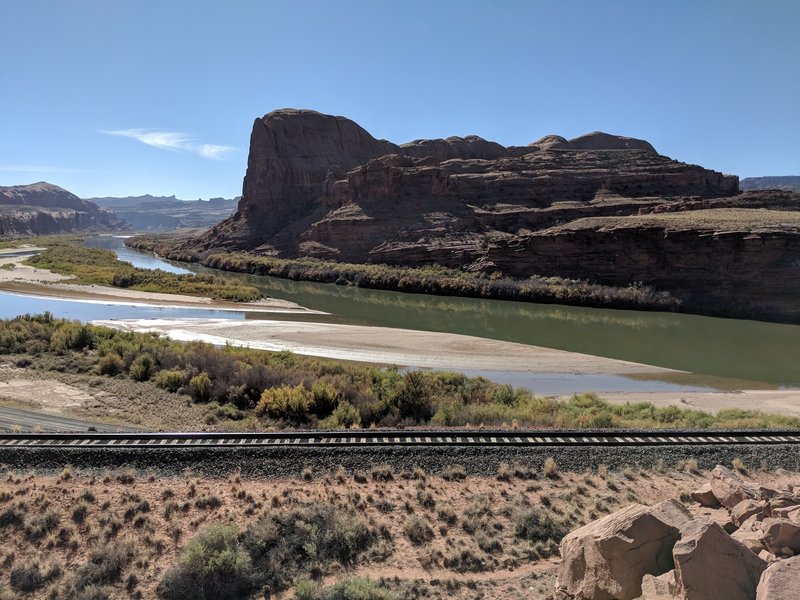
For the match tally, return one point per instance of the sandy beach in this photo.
(384, 345)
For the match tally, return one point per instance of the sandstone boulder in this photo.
(663, 587)
(749, 534)
(746, 509)
(729, 488)
(782, 502)
(705, 497)
(672, 512)
(607, 559)
(781, 536)
(781, 581)
(710, 565)
(788, 512)
(767, 556)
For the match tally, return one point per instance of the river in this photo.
(742, 353)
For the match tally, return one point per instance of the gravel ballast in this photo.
(275, 462)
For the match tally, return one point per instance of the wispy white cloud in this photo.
(173, 141)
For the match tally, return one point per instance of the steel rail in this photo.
(405, 437)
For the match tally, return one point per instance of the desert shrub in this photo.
(349, 589)
(141, 368)
(286, 402)
(200, 387)
(12, 516)
(414, 400)
(39, 525)
(29, 576)
(535, 524)
(110, 364)
(417, 530)
(325, 398)
(213, 565)
(345, 415)
(105, 566)
(170, 379)
(283, 544)
(454, 473)
(71, 336)
(382, 472)
(466, 561)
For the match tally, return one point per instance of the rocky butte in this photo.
(603, 208)
(44, 208)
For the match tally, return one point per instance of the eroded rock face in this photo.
(710, 565)
(322, 186)
(43, 208)
(607, 559)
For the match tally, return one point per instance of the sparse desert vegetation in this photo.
(392, 535)
(101, 267)
(242, 389)
(430, 279)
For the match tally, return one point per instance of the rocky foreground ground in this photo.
(738, 541)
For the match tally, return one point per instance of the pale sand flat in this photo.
(777, 402)
(384, 345)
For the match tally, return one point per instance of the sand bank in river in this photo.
(24, 279)
(776, 402)
(384, 345)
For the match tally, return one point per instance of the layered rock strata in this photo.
(603, 208)
(43, 208)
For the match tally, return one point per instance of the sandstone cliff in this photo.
(322, 186)
(43, 208)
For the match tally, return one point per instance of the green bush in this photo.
(344, 416)
(212, 566)
(110, 364)
(200, 387)
(141, 367)
(170, 379)
(286, 402)
(414, 400)
(325, 398)
(349, 589)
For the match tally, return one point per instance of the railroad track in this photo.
(367, 438)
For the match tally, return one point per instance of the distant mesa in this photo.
(789, 183)
(44, 208)
(165, 213)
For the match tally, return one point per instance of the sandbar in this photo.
(27, 280)
(383, 345)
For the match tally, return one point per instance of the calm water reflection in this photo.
(748, 350)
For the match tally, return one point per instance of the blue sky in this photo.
(113, 97)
